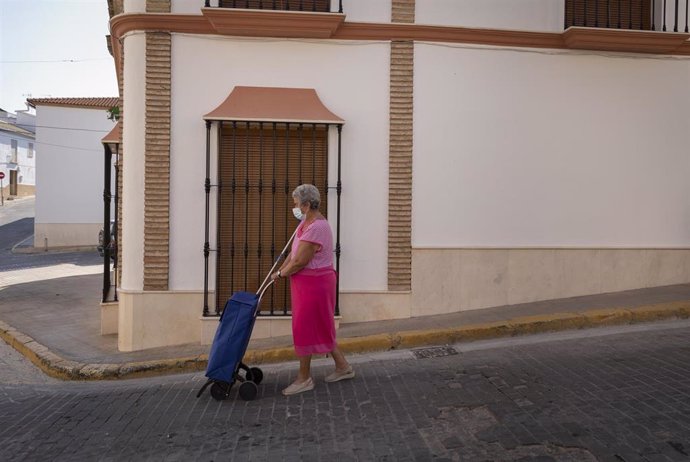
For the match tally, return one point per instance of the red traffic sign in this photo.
(2, 175)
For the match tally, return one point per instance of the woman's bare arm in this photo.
(301, 258)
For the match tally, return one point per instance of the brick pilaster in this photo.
(400, 154)
(158, 6)
(157, 160)
(403, 11)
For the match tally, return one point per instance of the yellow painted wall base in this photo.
(452, 280)
(374, 306)
(66, 234)
(109, 318)
(23, 190)
(155, 319)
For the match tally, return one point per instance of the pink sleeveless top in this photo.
(319, 233)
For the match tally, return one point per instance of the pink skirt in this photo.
(313, 310)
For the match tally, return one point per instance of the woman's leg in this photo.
(339, 358)
(304, 368)
(303, 382)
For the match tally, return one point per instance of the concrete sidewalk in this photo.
(56, 324)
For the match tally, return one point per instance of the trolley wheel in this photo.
(220, 390)
(257, 375)
(248, 391)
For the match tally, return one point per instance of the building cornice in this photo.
(307, 25)
(426, 33)
(159, 22)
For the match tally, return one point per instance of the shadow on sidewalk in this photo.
(19, 231)
(65, 315)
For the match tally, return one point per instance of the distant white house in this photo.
(17, 154)
(69, 183)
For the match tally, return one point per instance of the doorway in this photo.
(13, 182)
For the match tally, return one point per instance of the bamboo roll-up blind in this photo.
(616, 14)
(320, 6)
(258, 170)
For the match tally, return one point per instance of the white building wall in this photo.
(69, 181)
(354, 10)
(352, 80)
(26, 120)
(133, 140)
(189, 6)
(5, 149)
(532, 15)
(531, 149)
(366, 10)
(26, 164)
(134, 6)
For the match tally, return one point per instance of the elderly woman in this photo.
(312, 283)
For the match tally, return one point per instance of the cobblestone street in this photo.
(619, 394)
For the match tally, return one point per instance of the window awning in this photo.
(269, 104)
(113, 137)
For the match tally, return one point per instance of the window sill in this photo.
(623, 40)
(267, 23)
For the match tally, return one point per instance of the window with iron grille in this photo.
(319, 6)
(259, 165)
(616, 14)
(30, 153)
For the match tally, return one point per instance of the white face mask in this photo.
(297, 212)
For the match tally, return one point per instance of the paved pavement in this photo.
(609, 394)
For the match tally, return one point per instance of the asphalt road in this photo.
(17, 209)
(618, 394)
(17, 225)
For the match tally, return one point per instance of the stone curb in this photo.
(56, 366)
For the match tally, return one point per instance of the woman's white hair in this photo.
(307, 193)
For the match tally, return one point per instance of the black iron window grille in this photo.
(654, 15)
(108, 236)
(315, 6)
(259, 165)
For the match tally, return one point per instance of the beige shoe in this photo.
(348, 373)
(296, 388)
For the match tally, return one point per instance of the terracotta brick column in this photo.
(400, 154)
(157, 160)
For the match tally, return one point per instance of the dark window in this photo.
(321, 6)
(617, 14)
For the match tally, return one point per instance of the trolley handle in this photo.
(263, 291)
(268, 281)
